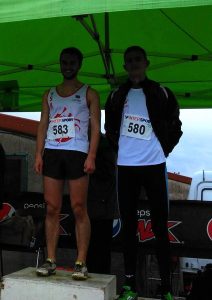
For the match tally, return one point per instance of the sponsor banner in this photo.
(189, 227)
(189, 224)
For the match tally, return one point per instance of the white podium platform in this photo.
(26, 285)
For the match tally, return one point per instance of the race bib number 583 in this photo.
(61, 128)
(137, 127)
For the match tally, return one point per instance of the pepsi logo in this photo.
(209, 229)
(6, 212)
(116, 227)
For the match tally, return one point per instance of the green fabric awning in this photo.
(16, 10)
(177, 39)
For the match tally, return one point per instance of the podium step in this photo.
(26, 285)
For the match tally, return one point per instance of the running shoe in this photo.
(47, 269)
(127, 294)
(168, 296)
(80, 271)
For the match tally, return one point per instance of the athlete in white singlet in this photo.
(63, 152)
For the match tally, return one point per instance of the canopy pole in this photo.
(101, 48)
(104, 50)
(95, 35)
(107, 40)
(108, 50)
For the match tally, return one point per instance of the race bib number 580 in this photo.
(61, 128)
(137, 127)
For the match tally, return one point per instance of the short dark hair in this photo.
(135, 48)
(72, 50)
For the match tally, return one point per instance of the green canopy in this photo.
(175, 34)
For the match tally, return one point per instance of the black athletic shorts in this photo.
(63, 164)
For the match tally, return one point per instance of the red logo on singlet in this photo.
(76, 124)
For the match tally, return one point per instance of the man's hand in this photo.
(38, 165)
(89, 166)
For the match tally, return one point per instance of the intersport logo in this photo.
(145, 232)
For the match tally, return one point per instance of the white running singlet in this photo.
(68, 121)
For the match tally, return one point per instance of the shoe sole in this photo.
(132, 298)
(79, 277)
(126, 297)
(45, 275)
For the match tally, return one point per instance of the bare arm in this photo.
(41, 135)
(95, 117)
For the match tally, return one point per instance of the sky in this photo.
(194, 151)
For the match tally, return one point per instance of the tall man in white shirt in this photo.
(142, 122)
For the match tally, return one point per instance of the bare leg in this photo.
(78, 195)
(53, 196)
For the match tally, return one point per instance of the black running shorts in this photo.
(63, 164)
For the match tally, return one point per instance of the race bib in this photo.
(137, 127)
(61, 128)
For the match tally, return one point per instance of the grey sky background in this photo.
(194, 151)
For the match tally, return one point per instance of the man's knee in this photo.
(52, 209)
(79, 211)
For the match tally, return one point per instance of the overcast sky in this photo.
(194, 151)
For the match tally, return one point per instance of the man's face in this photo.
(136, 65)
(69, 65)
